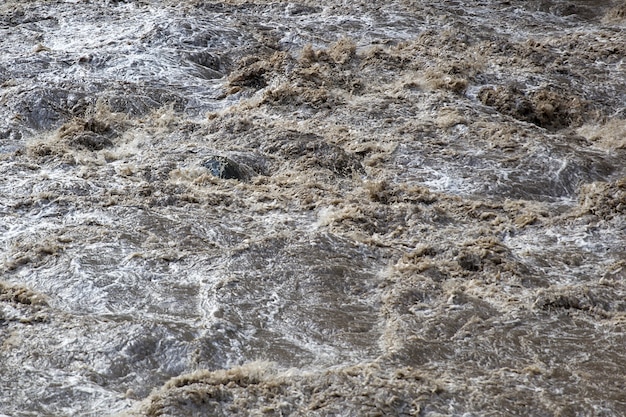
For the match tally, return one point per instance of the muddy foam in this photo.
(236, 208)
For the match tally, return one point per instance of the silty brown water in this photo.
(236, 208)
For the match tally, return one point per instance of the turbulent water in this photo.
(315, 208)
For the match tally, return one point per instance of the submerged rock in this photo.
(226, 168)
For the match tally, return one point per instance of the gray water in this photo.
(324, 208)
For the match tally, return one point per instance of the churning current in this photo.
(313, 208)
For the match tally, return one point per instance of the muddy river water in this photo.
(315, 208)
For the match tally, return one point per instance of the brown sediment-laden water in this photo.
(315, 208)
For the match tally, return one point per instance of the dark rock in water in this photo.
(226, 168)
(470, 262)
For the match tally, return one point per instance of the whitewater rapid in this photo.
(315, 208)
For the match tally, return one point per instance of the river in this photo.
(322, 208)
